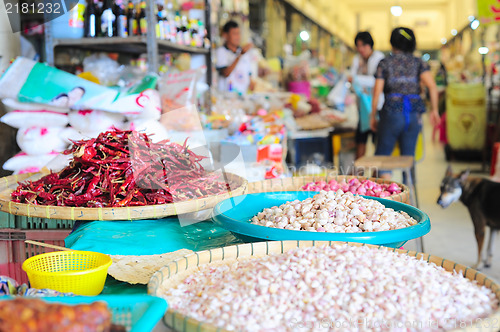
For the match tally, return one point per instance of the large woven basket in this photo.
(173, 274)
(296, 183)
(8, 184)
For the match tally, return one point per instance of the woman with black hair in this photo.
(398, 77)
(364, 66)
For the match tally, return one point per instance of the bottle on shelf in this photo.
(193, 29)
(186, 35)
(172, 27)
(108, 19)
(141, 19)
(131, 19)
(159, 22)
(121, 19)
(165, 25)
(99, 5)
(179, 38)
(90, 23)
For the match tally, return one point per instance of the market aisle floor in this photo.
(452, 233)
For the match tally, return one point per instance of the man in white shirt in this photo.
(363, 68)
(234, 64)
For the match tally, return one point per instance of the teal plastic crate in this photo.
(22, 222)
(138, 313)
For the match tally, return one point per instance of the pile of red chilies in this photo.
(123, 168)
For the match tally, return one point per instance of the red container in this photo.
(494, 159)
(300, 88)
(13, 250)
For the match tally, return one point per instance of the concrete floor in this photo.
(452, 233)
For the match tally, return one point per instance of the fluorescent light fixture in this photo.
(483, 50)
(454, 32)
(471, 18)
(474, 24)
(304, 35)
(396, 10)
(426, 57)
(444, 41)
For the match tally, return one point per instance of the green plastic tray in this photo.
(22, 222)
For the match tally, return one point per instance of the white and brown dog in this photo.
(482, 198)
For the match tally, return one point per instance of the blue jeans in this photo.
(391, 129)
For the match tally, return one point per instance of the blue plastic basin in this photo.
(234, 214)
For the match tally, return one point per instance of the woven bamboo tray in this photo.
(296, 183)
(238, 186)
(174, 273)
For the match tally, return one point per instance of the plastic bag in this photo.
(103, 67)
(179, 89)
(337, 96)
(165, 235)
(365, 106)
(70, 134)
(40, 140)
(89, 121)
(18, 119)
(154, 129)
(24, 163)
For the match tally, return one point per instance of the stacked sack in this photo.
(43, 133)
(147, 116)
(85, 124)
(38, 136)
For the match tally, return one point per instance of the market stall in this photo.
(145, 197)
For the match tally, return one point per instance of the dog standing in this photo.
(482, 198)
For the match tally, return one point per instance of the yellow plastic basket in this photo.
(78, 272)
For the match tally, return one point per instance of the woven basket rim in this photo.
(297, 182)
(182, 265)
(7, 185)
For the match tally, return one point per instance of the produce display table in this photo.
(145, 237)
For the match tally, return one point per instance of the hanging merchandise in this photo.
(121, 19)
(108, 19)
(488, 11)
(90, 20)
(131, 19)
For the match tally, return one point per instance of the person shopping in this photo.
(399, 77)
(363, 68)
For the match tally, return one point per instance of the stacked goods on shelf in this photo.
(183, 25)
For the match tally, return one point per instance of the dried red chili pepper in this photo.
(123, 168)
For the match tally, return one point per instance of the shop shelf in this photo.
(14, 251)
(131, 45)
